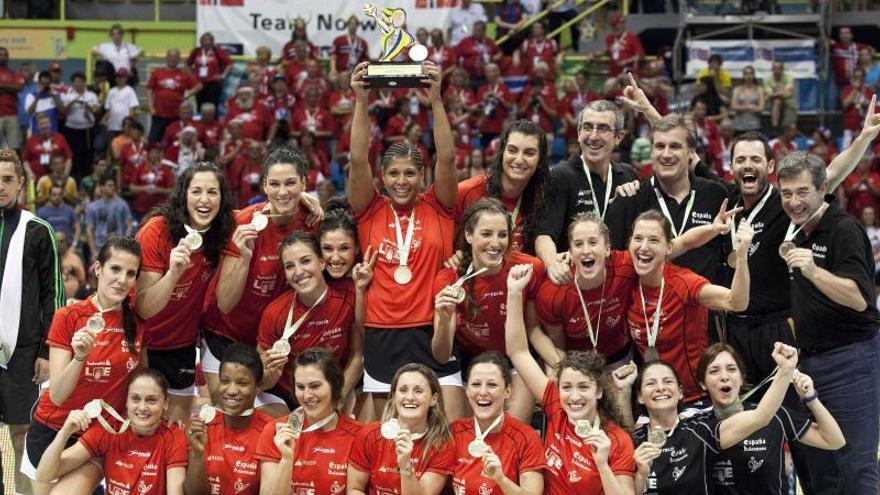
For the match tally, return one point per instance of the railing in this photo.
(540, 15)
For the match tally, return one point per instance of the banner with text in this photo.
(799, 56)
(243, 25)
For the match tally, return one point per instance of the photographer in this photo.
(495, 100)
(538, 101)
(45, 101)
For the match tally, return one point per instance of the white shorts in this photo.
(373, 385)
(210, 362)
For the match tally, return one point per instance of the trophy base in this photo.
(395, 75)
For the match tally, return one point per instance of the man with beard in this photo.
(583, 183)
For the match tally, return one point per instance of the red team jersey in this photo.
(135, 464)
(682, 337)
(145, 175)
(570, 468)
(230, 455)
(517, 445)
(475, 188)
(373, 454)
(265, 279)
(485, 332)
(38, 152)
(177, 325)
(104, 373)
(168, 87)
(320, 458)
(327, 326)
(560, 305)
(388, 304)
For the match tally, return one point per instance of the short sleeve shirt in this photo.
(682, 465)
(230, 455)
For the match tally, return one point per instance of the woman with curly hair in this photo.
(181, 242)
(520, 179)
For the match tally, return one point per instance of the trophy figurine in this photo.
(385, 73)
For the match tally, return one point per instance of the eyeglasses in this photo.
(602, 129)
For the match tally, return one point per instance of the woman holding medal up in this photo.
(469, 299)
(587, 451)
(495, 453)
(250, 276)
(412, 232)
(674, 455)
(411, 451)
(307, 451)
(145, 455)
(312, 314)
(223, 441)
(667, 318)
(93, 346)
(181, 243)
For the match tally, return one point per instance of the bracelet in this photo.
(79, 359)
(810, 398)
(406, 472)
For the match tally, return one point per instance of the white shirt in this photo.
(120, 56)
(78, 116)
(532, 7)
(44, 104)
(461, 22)
(119, 102)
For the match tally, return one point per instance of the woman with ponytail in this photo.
(469, 300)
(93, 346)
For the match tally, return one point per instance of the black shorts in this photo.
(18, 392)
(281, 394)
(38, 438)
(178, 366)
(387, 349)
(753, 338)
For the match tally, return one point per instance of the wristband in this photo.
(810, 398)
(78, 359)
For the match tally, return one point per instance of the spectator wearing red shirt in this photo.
(476, 51)
(210, 130)
(348, 49)
(256, 122)
(244, 173)
(855, 98)
(317, 155)
(862, 187)
(167, 88)
(342, 102)
(844, 56)
(233, 143)
(185, 152)
(132, 154)
(538, 100)
(314, 116)
(708, 133)
(313, 79)
(185, 119)
(151, 183)
(440, 53)
(624, 49)
(395, 128)
(295, 64)
(280, 104)
(784, 143)
(458, 85)
(40, 147)
(577, 95)
(298, 34)
(10, 85)
(537, 48)
(495, 102)
(211, 65)
(148, 458)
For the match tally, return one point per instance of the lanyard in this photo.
(594, 338)
(654, 327)
(403, 245)
(593, 191)
(687, 211)
(730, 410)
(481, 435)
(469, 275)
(289, 329)
(515, 214)
(93, 410)
(791, 232)
(752, 215)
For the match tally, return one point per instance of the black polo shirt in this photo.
(682, 465)
(570, 195)
(708, 260)
(841, 246)
(769, 287)
(756, 465)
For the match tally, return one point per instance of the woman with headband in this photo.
(520, 179)
(412, 232)
(495, 453)
(469, 300)
(411, 451)
(308, 450)
(587, 451)
(93, 346)
(250, 276)
(141, 454)
(182, 243)
(756, 464)
(312, 314)
(223, 441)
(673, 455)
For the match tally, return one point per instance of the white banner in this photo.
(799, 56)
(243, 25)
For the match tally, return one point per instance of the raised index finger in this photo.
(632, 80)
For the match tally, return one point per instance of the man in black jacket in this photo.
(31, 289)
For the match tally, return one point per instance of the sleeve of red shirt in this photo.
(442, 460)
(620, 458)
(266, 335)
(532, 452)
(548, 303)
(266, 450)
(60, 332)
(550, 400)
(151, 84)
(191, 59)
(176, 448)
(153, 256)
(95, 440)
(695, 284)
(225, 59)
(538, 277)
(189, 80)
(443, 278)
(361, 455)
(431, 198)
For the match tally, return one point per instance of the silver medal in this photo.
(390, 429)
(281, 347)
(403, 275)
(259, 221)
(96, 323)
(193, 240)
(582, 428)
(295, 422)
(207, 413)
(657, 436)
(93, 408)
(477, 448)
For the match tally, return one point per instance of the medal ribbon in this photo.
(593, 191)
(289, 329)
(481, 435)
(403, 245)
(791, 232)
(593, 338)
(751, 216)
(654, 328)
(515, 214)
(665, 209)
(469, 275)
(727, 411)
(112, 412)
